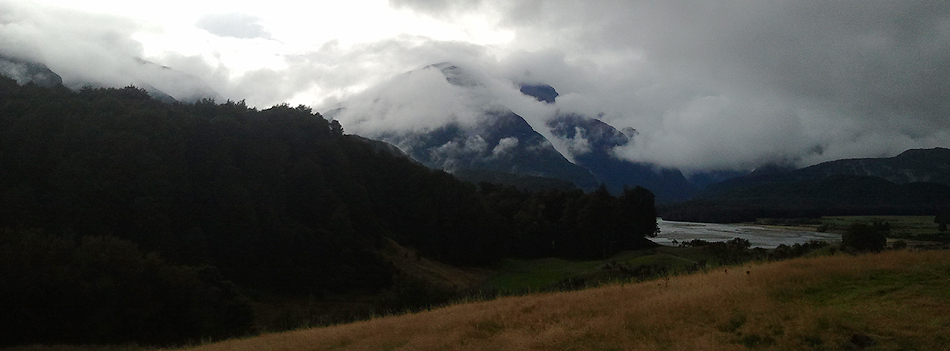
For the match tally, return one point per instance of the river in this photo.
(758, 236)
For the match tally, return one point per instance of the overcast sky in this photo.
(708, 84)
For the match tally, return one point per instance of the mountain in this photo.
(592, 143)
(161, 82)
(703, 179)
(481, 130)
(520, 181)
(24, 72)
(164, 83)
(915, 182)
(503, 143)
(911, 166)
(496, 139)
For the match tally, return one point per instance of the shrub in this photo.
(862, 237)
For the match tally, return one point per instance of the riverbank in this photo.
(763, 236)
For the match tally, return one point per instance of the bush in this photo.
(862, 237)
(942, 218)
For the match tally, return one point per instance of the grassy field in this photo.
(917, 230)
(896, 300)
(517, 276)
(901, 226)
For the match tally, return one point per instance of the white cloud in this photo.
(235, 25)
(504, 145)
(707, 84)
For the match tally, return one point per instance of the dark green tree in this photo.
(863, 237)
(942, 218)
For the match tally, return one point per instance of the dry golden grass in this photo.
(898, 299)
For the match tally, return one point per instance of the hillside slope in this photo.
(895, 300)
(916, 182)
(279, 203)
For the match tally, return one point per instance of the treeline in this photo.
(573, 224)
(279, 201)
(61, 289)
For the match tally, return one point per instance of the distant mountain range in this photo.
(566, 150)
(500, 140)
(911, 166)
(915, 182)
(161, 82)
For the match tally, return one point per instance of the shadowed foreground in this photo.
(889, 301)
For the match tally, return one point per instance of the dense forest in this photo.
(126, 219)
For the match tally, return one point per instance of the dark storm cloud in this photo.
(235, 25)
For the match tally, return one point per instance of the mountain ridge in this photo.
(550, 143)
(915, 182)
(162, 83)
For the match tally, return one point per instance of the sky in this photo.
(731, 84)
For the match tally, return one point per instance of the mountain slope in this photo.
(25, 72)
(278, 202)
(468, 121)
(475, 132)
(504, 143)
(162, 83)
(592, 143)
(911, 166)
(914, 182)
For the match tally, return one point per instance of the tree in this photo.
(638, 207)
(862, 237)
(336, 128)
(942, 219)
(57, 289)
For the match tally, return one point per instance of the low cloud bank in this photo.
(707, 85)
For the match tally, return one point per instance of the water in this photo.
(758, 236)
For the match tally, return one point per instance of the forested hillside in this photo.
(218, 200)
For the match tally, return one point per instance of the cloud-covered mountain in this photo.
(158, 80)
(453, 118)
(727, 86)
(592, 143)
(161, 82)
(26, 72)
(472, 131)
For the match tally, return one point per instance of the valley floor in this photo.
(891, 301)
